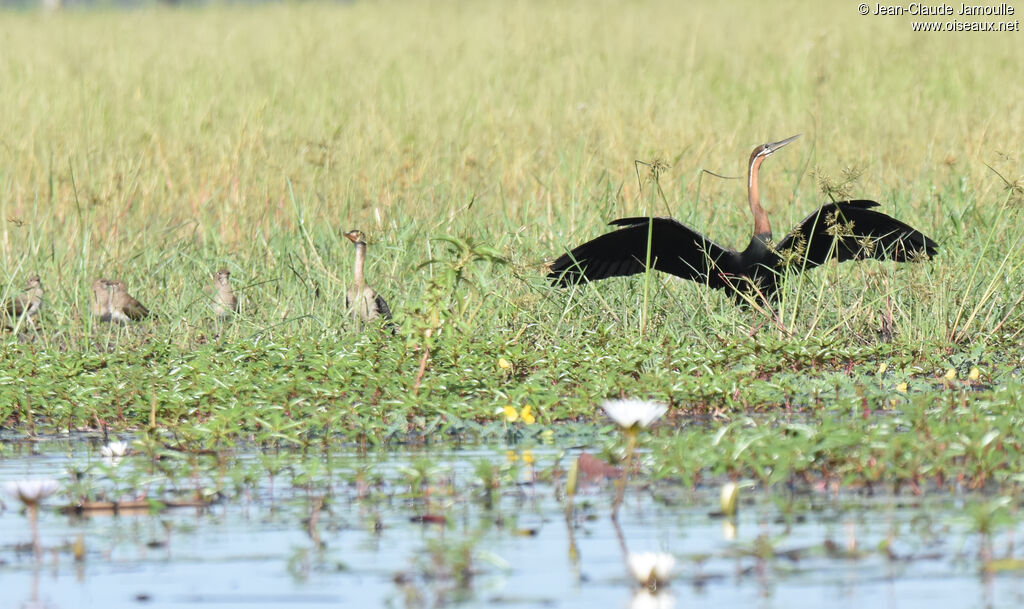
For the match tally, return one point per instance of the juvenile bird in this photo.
(123, 307)
(224, 300)
(101, 299)
(27, 304)
(362, 301)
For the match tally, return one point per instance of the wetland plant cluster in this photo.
(240, 151)
(471, 502)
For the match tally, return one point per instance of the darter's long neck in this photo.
(762, 228)
(357, 273)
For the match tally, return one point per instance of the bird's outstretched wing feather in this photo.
(851, 230)
(675, 249)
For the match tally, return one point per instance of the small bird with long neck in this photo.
(123, 307)
(27, 304)
(225, 303)
(361, 300)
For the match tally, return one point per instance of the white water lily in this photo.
(633, 413)
(645, 599)
(652, 569)
(114, 449)
(31, 492)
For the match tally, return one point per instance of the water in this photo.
(265, 542)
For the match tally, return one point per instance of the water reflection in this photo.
(352, 528)
(645, 599)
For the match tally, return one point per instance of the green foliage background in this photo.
(159, 144)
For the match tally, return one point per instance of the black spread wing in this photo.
(675, 249)
(851, 230)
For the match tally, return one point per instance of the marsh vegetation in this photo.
(472, 145)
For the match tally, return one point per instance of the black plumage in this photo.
(845, 230)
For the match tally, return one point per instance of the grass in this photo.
(159, 144)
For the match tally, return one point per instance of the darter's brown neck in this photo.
(357, 272)
(762, 227)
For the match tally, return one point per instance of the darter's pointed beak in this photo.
(770, 148)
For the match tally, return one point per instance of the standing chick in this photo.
(361, 300)
(27, 304)
(225, 303)
(123, 307)
(101, 299)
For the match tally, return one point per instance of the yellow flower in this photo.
(511, 456)
(902, 388)
(950, 374)
(527, 415)
(528, 457)
(504, 364)
(975, 374)
(511, 414)
(882, 368)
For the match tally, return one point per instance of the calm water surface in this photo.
(290, 530)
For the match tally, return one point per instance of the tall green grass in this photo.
(159, 144)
